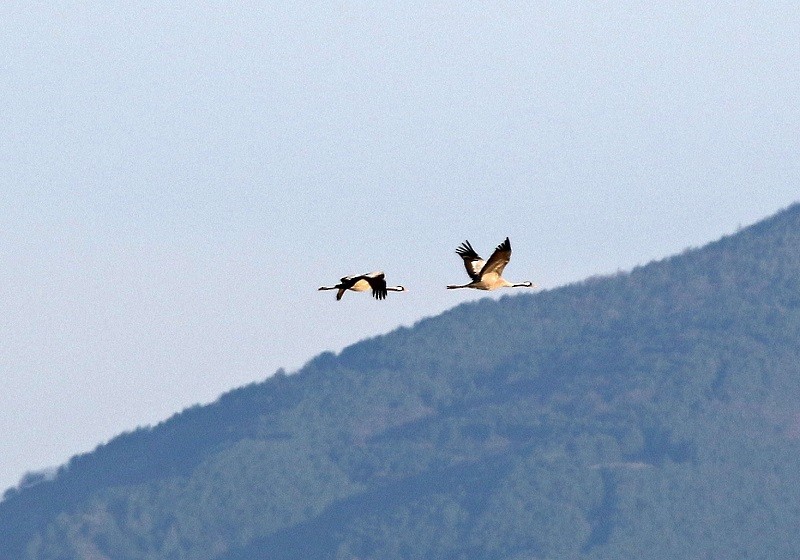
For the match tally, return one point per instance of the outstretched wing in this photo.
(345, 284)
(472, 262)
(377, 281)
(498, 261)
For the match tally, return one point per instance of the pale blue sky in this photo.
(179, 178)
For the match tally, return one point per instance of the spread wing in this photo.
(498, 261)
(348, 282)
(377, 281)
(345, 284)
(472, 262)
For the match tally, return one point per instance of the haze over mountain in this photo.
(650, 414)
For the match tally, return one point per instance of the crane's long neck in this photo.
(457, 287)
(328, 287)
(395, 289)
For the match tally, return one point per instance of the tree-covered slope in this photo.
(654, 414)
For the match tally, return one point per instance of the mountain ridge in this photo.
(616, 384)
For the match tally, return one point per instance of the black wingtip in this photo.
(505, 245)
(465, 249)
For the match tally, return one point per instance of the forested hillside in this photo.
(653, 414)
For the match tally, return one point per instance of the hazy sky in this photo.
(179, 178)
